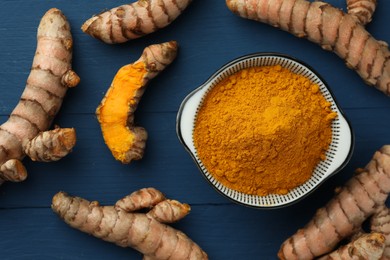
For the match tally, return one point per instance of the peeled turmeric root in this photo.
(134, 20)
(116, 111)
(50, 77)
(123, 225)
(358, 200)
(334, 30)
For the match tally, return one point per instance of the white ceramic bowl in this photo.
(337, 156)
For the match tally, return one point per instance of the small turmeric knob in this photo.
(70, 79)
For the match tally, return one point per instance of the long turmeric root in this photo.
(134, 20)
(116, 111)
(123, 225)
(51, 75)
(334, 30)
(362, 195)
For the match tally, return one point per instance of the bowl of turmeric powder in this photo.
(265, 130)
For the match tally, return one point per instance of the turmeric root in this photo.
(116, 111)
(362, 9)
(123, 225)
(367, 246)
(134, 20)
(51, 145)
(334, 30)
(50, 77)
(362, 195)
(380, 222)
(12, 170)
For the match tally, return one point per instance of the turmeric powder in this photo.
(263, 130)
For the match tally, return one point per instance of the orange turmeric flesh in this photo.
(116, 111)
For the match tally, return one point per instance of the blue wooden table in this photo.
(209, 35)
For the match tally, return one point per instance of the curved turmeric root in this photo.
(49, 79)
(360, 198)
(135, 20)
(116, 111)
(145, 232)
(332, 29)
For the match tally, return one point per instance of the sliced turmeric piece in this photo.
(116, 111)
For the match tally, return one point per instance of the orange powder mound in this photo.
(263, 130)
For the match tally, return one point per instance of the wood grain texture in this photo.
(209, 36)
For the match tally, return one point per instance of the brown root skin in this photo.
(366, 246)
(70, 79)
(140, 199)
(51, 145)
(329, 27)
(116, 111)
(169, 211)
(380, 222)
(49, 79)
(125, 228)
(12, 170)
(342, 216)
(362, 9)
(134, 20)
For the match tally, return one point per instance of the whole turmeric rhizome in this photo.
(263, 130)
